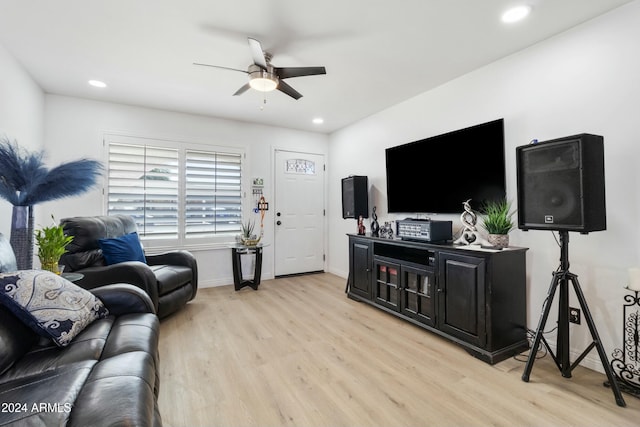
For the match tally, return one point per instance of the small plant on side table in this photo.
(248, 237)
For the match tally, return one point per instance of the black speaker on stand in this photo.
(561, 184)
(561, 188)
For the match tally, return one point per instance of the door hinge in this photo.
(324, 167)
(324, 212)
(324, 257)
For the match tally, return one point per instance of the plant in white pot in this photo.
(498, 221)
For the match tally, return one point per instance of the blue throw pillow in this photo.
(121, 249)
(49, 304)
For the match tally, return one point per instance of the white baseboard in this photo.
(339, 273)
(211, 283)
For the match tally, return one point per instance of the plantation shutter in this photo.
(144, 183)
(179, 194)
(213, 193)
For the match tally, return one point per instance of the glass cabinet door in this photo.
(387, 283)
(417, 289)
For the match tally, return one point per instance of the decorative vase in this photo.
(499, 241)
(21, 238)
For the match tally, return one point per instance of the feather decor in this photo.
(17, 170)
(26, 181)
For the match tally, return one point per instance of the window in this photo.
(178, 195)
(213, 193)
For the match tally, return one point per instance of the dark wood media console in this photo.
(475, 298)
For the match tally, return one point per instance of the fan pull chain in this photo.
(264, 101)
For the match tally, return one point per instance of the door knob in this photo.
(278, 214)
(278, 222)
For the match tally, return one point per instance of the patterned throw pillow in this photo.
(49, 304)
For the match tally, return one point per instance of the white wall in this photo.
(74, 128)
(584, 80)
(21, 115)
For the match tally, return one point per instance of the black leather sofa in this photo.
(170, 278)
(106, 376)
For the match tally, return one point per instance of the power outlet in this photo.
(574, 315)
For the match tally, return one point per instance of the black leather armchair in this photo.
(170, 278)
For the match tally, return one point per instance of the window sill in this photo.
(152, 250)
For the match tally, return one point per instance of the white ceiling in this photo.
(377, 52)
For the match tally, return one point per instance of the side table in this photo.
(72, 277)
(237, 251)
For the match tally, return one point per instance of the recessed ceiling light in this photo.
(97, 83)
(318, 120)
(516, 14)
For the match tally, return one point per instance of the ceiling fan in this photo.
(265, 77)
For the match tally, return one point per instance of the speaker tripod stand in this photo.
(561, 279)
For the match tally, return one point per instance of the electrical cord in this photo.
(542, 349)
(531, 333)
(521, 357)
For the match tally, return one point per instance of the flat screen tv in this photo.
(437, 174)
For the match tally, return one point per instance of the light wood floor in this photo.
(298, 352)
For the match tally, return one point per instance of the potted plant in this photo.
(498, 221)
(248, 237)
(52, 243)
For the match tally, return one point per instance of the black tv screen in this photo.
(437, 174)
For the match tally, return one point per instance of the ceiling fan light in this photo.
(262, 80)
(263, 84)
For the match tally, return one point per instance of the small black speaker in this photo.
(561, 184)
(355, 197)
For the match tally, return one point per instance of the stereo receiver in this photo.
(424, 230)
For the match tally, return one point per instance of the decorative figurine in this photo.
(375, 227)
(361, 228)
(386, 231)
(470, 235)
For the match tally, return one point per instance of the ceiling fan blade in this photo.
(217, 66)
(285, 88)
(257, 53)
(287, 72)
(242, 90)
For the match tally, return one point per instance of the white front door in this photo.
(299, 212)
